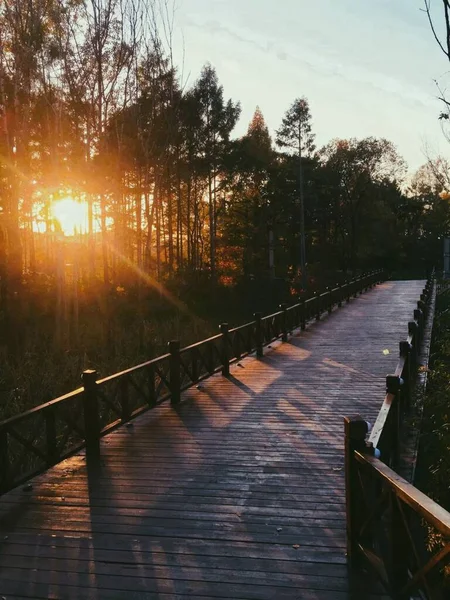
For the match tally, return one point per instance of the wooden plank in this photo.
(131, 576)
(199, 532)
(39, 591)
(177, 544)
(174, 501)
(238, 492)
(18, 555)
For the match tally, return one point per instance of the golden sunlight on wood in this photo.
(71, 215)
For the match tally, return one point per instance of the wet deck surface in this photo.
(238, 493)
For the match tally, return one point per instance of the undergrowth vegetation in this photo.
(45, 372)
(114, 331)
(434, 456)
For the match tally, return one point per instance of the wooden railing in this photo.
(393, 529)
(43, 436)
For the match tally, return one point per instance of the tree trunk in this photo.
(212, 249)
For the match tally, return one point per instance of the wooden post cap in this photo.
(357, 427)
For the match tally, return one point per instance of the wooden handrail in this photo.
(125, 372)
(427, 508)
(213, 338)
(385, 513)
(249, 324)
(390, 400)
(32, 411)
(383, 415)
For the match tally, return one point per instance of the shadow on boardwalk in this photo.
(238, 493)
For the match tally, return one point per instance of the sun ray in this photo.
(152, 282)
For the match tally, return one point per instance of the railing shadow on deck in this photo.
(35, 440)
(152, 543)
(393, 529)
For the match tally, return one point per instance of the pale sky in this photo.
(366, 66)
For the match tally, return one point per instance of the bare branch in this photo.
(433, 29)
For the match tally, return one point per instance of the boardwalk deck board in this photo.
(237, 493)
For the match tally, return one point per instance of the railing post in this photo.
(259, 335)
(90, 413)
(339, 289)
(405, 351)
(318, 311)
(422, 304)
(50, 436)
(348, 294)
(5, 467)
(413, 332)
(210, 359)
(393, 386)
(418, 316)
(397, 566)
(330, 301)
(250, 346)
(174, 372)
(224, 329)
(296, 319)
(151, 385)
(237, 347)
(124, 398)
(355, 433)
(302, 314)
(194, 365)
(284, 329)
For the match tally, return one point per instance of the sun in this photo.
(71, 215)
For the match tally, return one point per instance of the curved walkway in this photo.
(236, 494)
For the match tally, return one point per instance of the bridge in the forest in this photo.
(236, 488)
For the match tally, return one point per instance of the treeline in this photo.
(92, 107)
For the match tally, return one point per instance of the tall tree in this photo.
(247, 167)
(258, 136)
(295, 134)
(27, 34)
(218, 118)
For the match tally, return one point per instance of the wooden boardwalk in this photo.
(237, 493)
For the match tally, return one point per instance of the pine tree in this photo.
(218, 120)
(258, 135)
(295, 132)
(248, 167)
